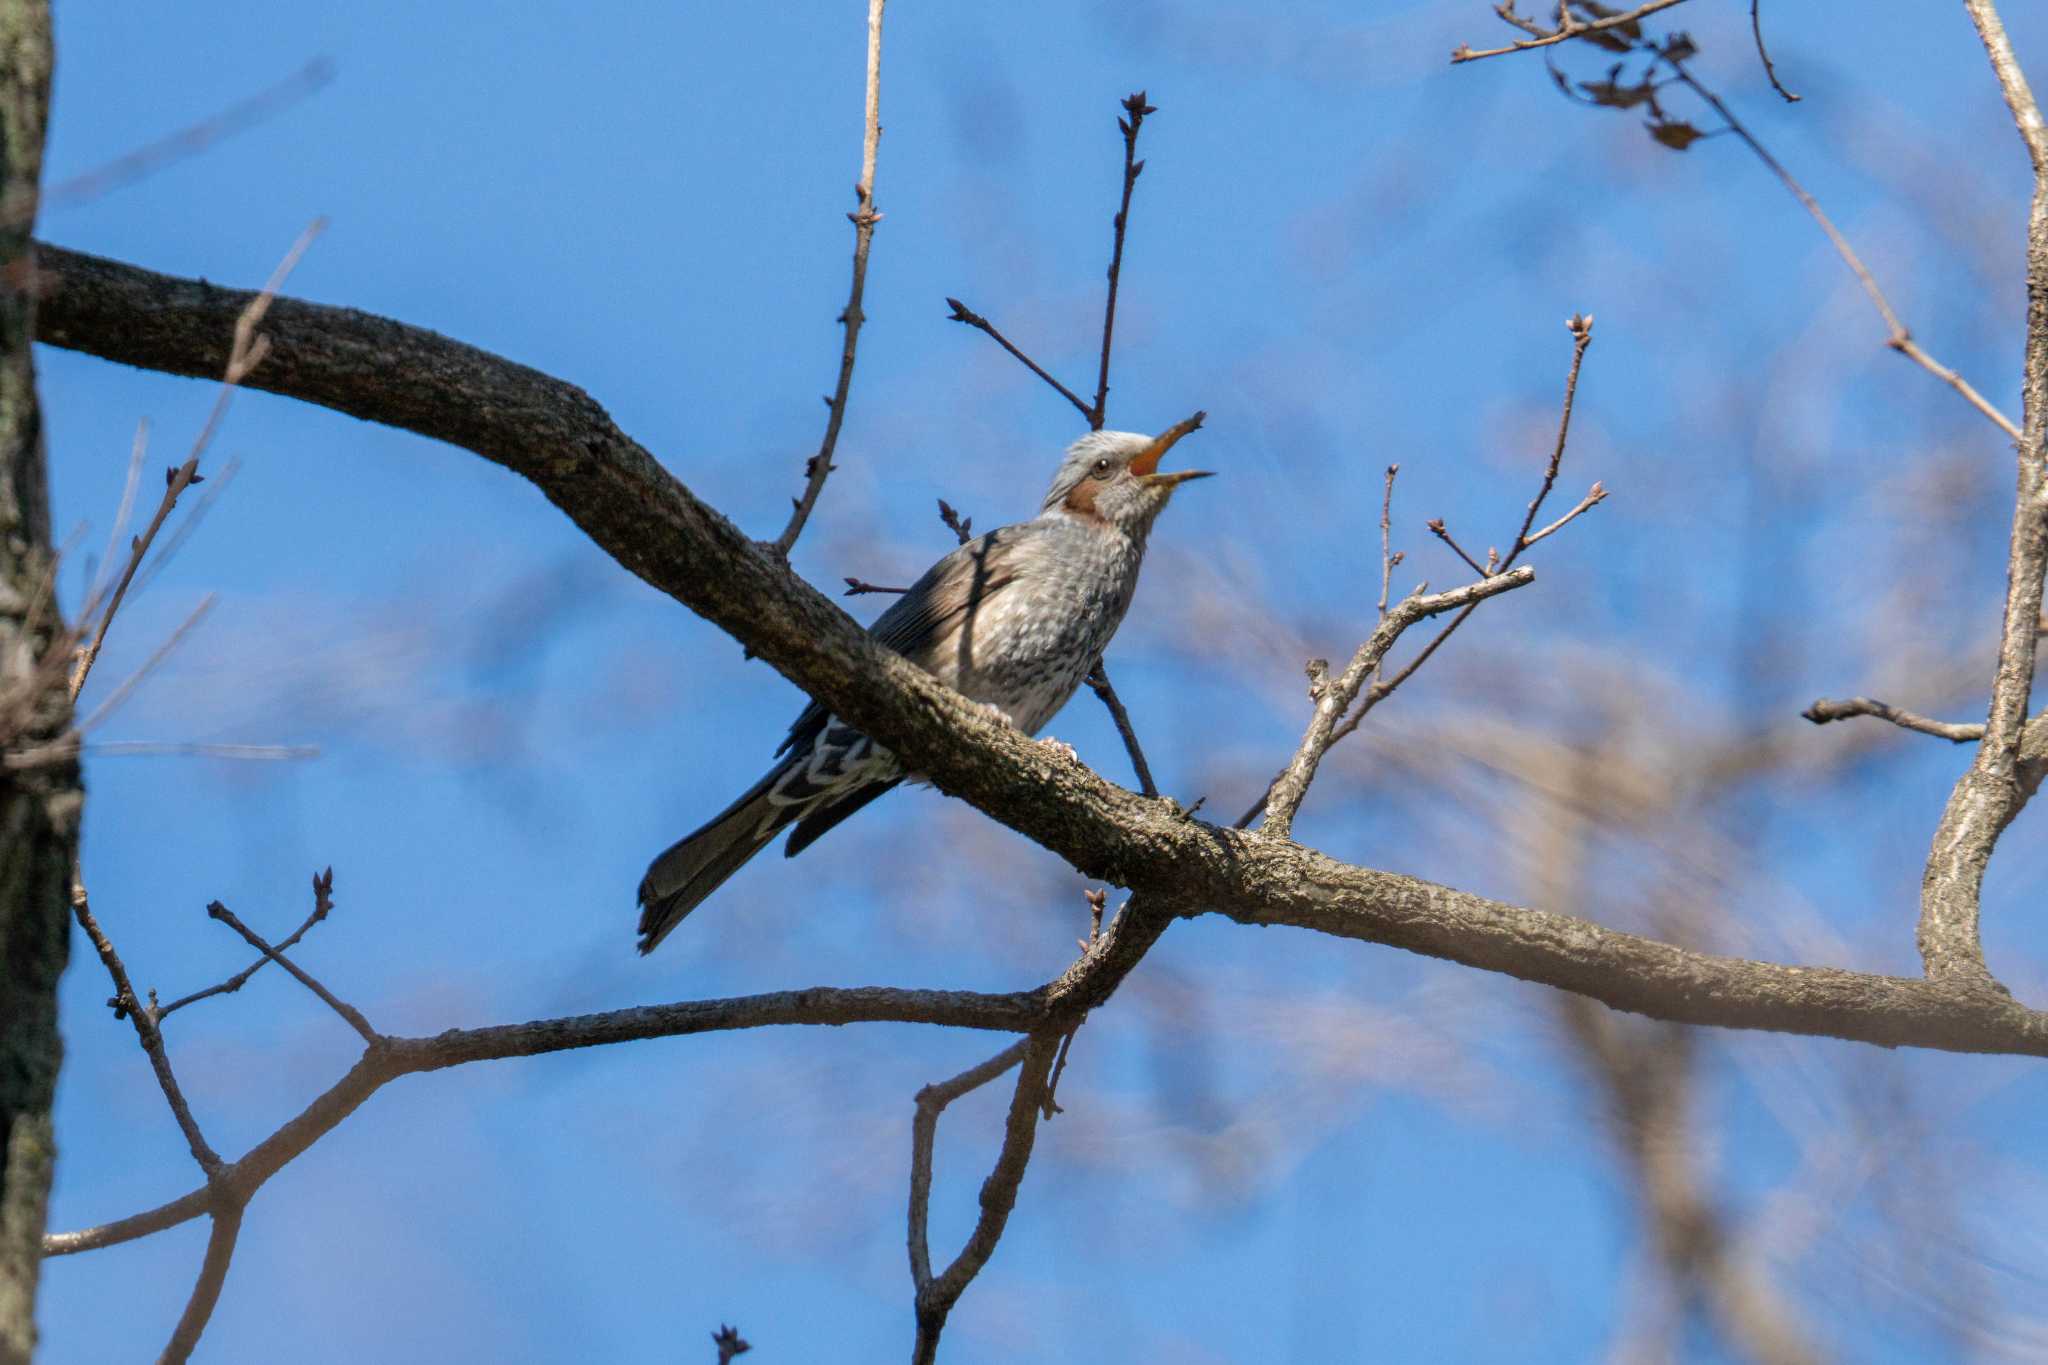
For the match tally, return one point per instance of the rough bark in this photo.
(39, 806)
(556, 436)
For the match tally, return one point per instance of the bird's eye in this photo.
(1102, 469)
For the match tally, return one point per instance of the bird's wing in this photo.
(921, 623)
(926, 620)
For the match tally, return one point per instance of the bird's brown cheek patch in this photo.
(1081, 501)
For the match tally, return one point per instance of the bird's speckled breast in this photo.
(1030, 645)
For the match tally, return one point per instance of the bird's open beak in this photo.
(1146, 464)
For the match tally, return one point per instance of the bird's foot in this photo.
(1060, 747)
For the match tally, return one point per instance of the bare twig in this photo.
(245, 355)
(176, 481)
(1135, 110)
(1826, 709)
(1596, 495)
(1336, 695)
(729, 1343)
(1580, 325)
(1569, 26)
(213, 1272)
(127, 686)
(349, 1013)
(144, 1017)
(68, 748)
(962, 313)
(864, 217)
(936, 1294)
(855, 587)
(961, 527)
(137, 450)
(323, 903)
(1098, 681)
(1756, 29)
(1900, 338)
(1437, 529)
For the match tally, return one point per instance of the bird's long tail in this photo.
(693, 867)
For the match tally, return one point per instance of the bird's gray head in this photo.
(1113, 478)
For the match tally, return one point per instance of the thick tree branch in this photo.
(554, 435)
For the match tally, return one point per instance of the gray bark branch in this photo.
(556, 436)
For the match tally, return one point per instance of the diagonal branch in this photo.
(864, 217)
(1901, 337)
(1098, 682)
(323, 904)
(1991, 793)
(1334, 698)
(962, 313)
(350, 1015)
(125, 1002)
(936, 1294)
(554, 435)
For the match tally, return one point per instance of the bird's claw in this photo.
(1061, 747)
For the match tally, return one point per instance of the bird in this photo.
(1013, 619)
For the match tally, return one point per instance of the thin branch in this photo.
(1098, 681)
(323, 904)
(1900, 338)
(176, 481)
(144, 1018)
(2012, 82)
(1569, 27)
(127, 686)
(924, 1129)
(1135, 110)
(248, 351)
(962, 313)
(213, 1272)
(349, 1013)
(729, 1343)
(961, 527)
(864, 217)
(937, 1294)
(69, 747)
(1756, 29)
(1333, 698)
(1594, 497)
(138, 449)
(1825, 710)
(1988, 796)
(1580, 325)
(855, 587)
(1436, 528)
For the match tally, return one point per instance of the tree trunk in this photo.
(39, 806)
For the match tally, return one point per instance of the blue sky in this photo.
(1349, 253)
